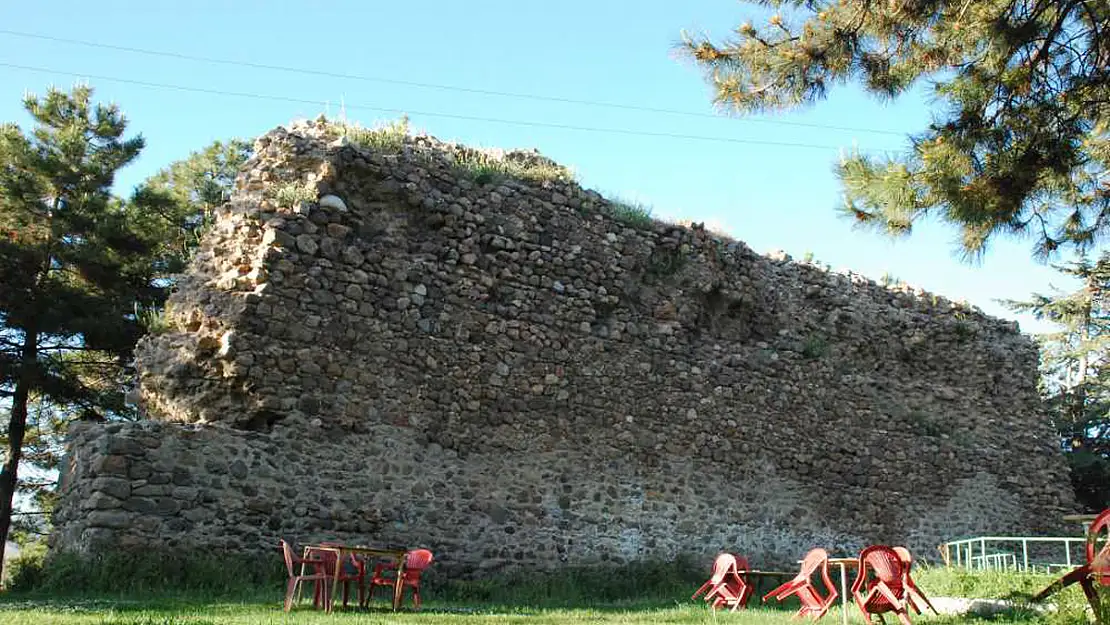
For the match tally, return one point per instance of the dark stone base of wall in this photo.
(156, 485)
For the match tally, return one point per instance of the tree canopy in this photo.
(84, 273)
(183, 196)
(1075, 367)
(75, 263)
(1020, 143)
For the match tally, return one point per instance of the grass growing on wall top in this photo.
(289, 194)
(629, 213)
(483, 168)
(384, 137)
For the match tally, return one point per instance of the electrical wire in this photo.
(380, 109)
(428, 85)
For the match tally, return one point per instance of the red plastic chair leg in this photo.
(290, 590)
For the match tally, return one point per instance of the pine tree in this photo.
(1075, 366)
(172, 208)
(185, 195)
(75, 265)
(1021, 142)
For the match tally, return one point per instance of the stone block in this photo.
(116, 487)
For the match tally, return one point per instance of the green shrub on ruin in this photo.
(484, 168)
(629, 213)
(290, 194)
(383, 137)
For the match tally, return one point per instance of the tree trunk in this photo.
(1079, 417)
(17, 427)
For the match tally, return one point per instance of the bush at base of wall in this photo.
(576, 586)
(145, 571)
(203, 573)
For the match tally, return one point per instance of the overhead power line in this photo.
(427, 85)
(379, 109)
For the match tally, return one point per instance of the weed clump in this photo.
(386, 137)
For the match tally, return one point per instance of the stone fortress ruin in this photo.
(383, 340)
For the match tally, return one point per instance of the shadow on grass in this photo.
(153, 606)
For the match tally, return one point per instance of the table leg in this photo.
(300, 586)
(399, 585)
(335, 579)
(843, 594)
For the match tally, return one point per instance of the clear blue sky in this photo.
(772, 197)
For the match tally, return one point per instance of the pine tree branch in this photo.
(1096, 39)
(1065, 11)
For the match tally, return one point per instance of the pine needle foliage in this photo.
(183, 197)
(1075, 373)
(75, 264)
(1020, 144)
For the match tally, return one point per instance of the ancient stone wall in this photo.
(387, 341)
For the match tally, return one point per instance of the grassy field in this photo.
(562, 600)
(26, 610)
(186, 612)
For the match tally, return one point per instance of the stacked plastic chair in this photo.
(913, 592)
(880, 586)
(728, 586)
(1095, 572)
(814, 604)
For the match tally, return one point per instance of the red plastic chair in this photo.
(913, 593)
(352, 570)
(415, 563)
(1097, 569)
(320, 578)
(728, 586)
(722, 564)
(738, 590)
(813, 604)
(1098, 548)
(886, 590)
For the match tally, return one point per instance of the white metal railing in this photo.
(994, 561)
(1013, 553)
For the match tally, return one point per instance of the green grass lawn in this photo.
(563, 600)
(200, 611)
(178, 612)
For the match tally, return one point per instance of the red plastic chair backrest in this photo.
(287, 552)
(724, 563)
(1098, 556)
(415, 562)
(887, 566)
(327, 557)
(418, 560)
(813, 560)
(905, 557)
